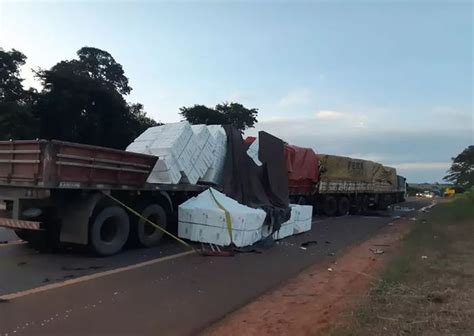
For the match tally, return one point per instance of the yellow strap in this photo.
(150, 222)
(228, 219)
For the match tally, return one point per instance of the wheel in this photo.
(343, 206)
(109, 229)
(146, 234)
(330, 206)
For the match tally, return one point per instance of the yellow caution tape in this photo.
(228, 219)
(149, 221)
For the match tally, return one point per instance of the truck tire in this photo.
(343, 206)
(330, 206)
(146, 234)
(109, 229)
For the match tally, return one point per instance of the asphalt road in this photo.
(178, 296)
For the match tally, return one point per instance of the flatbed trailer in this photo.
(337, 185)
(54, 192)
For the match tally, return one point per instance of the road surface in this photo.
(160, 290)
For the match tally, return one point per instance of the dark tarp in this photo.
(264, 187)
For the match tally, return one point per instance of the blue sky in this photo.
(384, 80)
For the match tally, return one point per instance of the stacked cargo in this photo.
(186, 153)
(299, 222)
(212, 217)
(214, 173)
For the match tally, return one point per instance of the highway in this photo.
(159, 291)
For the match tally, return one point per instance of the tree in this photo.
(16, 118)
(238, 115)
(83, 101)
(200, 114)
(461, 172)
(227, 113)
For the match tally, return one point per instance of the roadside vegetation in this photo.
(427, 289)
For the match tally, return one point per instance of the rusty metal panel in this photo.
(70, 165)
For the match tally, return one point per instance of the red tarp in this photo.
(303, 169)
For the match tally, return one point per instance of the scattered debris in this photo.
(376, 251)
(327, 242)
(247, 250)
(45, 280)
(68, 268)
(330, 269)
(413, 219)
(21, 263)
(396, 217)
(424, 257)
(303, 248)
(308, 243)
(4, 300)
(68, 276)
(331, 254)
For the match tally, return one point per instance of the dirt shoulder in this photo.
(321, 295)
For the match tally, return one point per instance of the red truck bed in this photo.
(58, 164)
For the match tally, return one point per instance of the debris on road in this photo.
(330, 269)
(331, 254)
(308, 243)
(424, 257)
(68, 268)
(21, 263)
(376, 251)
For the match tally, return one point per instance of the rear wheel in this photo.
(343, 206)
(109, 230)
(330, 205)
(146, 234)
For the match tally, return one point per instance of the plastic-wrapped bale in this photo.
(303, 219)
(202, 219)
(253, 152)
(202, 158)
(175, 146)
(287, 228)
(215, 171)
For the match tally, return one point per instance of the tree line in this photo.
(84, 100)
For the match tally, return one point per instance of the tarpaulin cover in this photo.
(303, 169)
(263, 187)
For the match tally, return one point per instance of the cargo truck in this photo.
(337, 185)
(56, 192)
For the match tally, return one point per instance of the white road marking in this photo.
(91, 277)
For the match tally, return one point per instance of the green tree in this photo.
(461, 172)
(16, 117)
(227, 113)
(83, 101)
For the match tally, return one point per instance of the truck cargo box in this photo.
(51, 164)
(346, 169)
(303, 169)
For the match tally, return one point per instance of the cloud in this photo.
(423, 166)
(420, 155)
(296, 97)
(329, 115)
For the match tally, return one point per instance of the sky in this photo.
(390, 81)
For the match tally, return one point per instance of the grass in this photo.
(428, 288)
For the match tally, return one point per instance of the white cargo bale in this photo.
(217, 157)
(253, 152)
(303, 219)
(287, 228)
(201, 219)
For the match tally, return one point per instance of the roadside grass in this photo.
(428, 287)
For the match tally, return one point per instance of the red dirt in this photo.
(317, 298)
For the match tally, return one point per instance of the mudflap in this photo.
(75, 217)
